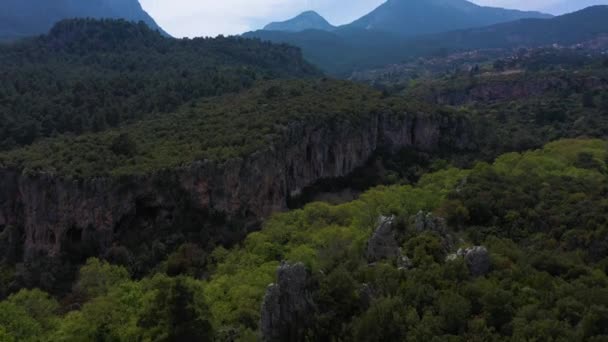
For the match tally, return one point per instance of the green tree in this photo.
(176, 311)
(39, 305)
(588, 100)
(454, 310)
(385, 320)
(97, 277)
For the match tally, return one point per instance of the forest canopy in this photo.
(541, 215)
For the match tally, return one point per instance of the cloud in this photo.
(194, 18)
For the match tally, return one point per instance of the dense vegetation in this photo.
(541, 214)
(87, 76)
(519, 105)
(216, 129)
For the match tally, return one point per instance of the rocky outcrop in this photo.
(428, 222)
(511, 89)
(477, 259)
(287, 307)
(383, 243)
(55, 213)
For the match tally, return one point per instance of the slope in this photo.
(416, 17)
(349, 49)
(309, 20)
(22, 18)
(88, 75)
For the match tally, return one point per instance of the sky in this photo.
(196, 18)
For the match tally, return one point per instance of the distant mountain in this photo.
(22, 18)
(349, 48)
(568, 6)
(415, 17)
(567, 29)
(309, 20)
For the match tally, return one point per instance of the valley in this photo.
(384, 180)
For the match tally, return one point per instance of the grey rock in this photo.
(366, 295)
(287, 305)
(478, 260)
(404, 263)
(383, 243)
(428, 222)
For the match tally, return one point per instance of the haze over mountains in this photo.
(22, 18)
(309, 20)
(413, 17)
(350, 48)
(568, 6)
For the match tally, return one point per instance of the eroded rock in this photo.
(477, 259)
(383, 243)
(288, 305)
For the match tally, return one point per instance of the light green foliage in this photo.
(97, 277)
(542, 215)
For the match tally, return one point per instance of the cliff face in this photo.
(56, 214)
(517, 89)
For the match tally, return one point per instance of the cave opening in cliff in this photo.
(74, 235)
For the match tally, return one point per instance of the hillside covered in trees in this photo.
(398, 263)
(159, 189)
(88, 75)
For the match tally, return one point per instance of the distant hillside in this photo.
(415, 17)
(90, 75)
(566, 29)
(22, 18)
(309, 20)
(568, 6)
(348, 49)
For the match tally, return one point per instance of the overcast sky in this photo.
(193, 18)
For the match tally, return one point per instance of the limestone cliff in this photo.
(517, 88)
(55, 213)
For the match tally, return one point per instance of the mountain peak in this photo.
(22, 18)
(308, 20)
(415, 17)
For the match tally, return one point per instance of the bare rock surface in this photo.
(287, 305)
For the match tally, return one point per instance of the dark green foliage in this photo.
(219, 129)
(588, 100)
(173, 308)
(385, 320)
(123, 144)
(87, 76)
(541, 214)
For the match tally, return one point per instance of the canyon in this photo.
(55, 215)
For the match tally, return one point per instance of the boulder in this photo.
(478, 260)
(287, 306)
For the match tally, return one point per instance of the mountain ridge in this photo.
(23, 18)
(411, 18)
(344, 50)
(416, 17)
(304, 21)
